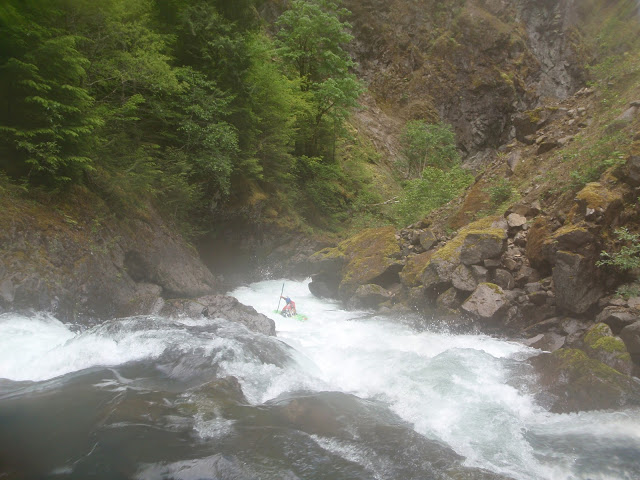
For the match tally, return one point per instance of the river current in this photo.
(342, 395)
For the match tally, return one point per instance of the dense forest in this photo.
(184, 102)
(194, 105)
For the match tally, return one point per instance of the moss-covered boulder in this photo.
(481, 245)
(571, 381)
(601, 344)
(595, 202)
(438, 274)
(411, 274)
(371, 257)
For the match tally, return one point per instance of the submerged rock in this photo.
(221, 306)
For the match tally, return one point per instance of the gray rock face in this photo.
(448, 300)
(486, 301)
(220, 306)
(575, 283)
(481, 246)
(631, 171)
(83, 270)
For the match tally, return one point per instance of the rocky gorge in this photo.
(511, 78)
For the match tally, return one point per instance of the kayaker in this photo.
(290, 308)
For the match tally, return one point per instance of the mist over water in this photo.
(343, 395)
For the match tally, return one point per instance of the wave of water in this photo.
(401, 399)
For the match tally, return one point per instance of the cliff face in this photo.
(473, 64)
(78, 259)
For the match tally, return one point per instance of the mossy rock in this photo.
(371, 257)
(601, 344)
(536, 252)
(571, 381)
(414, 268)
(596, 196)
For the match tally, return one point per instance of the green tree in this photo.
(311, 40)
(46, 115)
(427, 144)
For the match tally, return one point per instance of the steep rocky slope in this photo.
(511, 77)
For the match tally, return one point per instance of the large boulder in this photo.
(220, 306)
(601, 344)
(369, 296)
(485, 238)
(371, 257)
(575, 281)
(463, 279)
(570, 381)
(631, 337)
(486, 302)
(414, 268)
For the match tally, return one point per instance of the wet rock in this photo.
(324, 286)
(618, 317)
(369, 296)
(575, 281)
(439, 272)
(220, 306)
(573, 382)
(601, 344)
(486, 301)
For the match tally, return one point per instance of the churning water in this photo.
(343, 395)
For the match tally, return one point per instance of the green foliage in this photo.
(628, 291)
(47, 120)
(628, 257)
(311, 40)
(500, 192)
(427, 144)
(177, 102)
(434, 189)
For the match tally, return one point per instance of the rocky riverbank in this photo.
(528, 274)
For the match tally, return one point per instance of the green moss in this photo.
(595, 196)
(578, 361)
(568, 228)
(484, 226)
(415, 267)
(600, 338)
(494, 287)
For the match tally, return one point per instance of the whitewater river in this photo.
(343, 395)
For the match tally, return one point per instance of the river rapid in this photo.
(342, 395)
